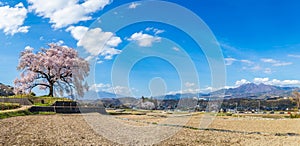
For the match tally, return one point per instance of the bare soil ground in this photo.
(72, 129)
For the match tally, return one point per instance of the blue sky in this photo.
(259, 41)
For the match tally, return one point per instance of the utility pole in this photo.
(258, 110)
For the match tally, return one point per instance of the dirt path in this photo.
(18, 109)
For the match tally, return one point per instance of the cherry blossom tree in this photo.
(58, 69)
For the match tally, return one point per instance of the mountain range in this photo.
(250, 90)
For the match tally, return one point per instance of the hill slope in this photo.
(252, 90)
(6, 90)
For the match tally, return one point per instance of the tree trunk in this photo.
(51, 90)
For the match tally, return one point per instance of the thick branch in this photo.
(39, 84)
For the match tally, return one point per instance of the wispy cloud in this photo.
(189, 84)
(282, 64)
(268, 71)
(275, 62)
(120, 90)
(230, 61)
(133, 5)
(156, 31)
(176, 49)
(294, 56)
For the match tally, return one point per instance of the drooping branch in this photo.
(51, 68)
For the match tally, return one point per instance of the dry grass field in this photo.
(72, 129)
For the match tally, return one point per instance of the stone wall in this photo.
(21, 101)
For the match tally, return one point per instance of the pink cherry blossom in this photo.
(58, 69)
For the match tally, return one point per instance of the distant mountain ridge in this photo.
(252, 90)
(249, 90)
(103, 94)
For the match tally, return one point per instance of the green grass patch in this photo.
(23, 113)
(8, 106)
(46, 113)
(15, 114)
(272, 116)
(41, 100)
(224, 114)
(46, 100)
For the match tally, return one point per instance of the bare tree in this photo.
(296, 96)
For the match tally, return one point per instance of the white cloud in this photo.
(256, 68)
(246, 61)
(100, 87)
(133, 5)
(95, 41)
(121, 90)
(268, 60)
(193, 91)
(228, 47)
(108, 53)
(114, 41)
(158, 31)
(267, 81)
(66, 12)
(268, 71)
(100, 62)
(260, 80)
(77, 32)
(12, 19)
(276, 82)
(241, 82)
(155, 30)
(230, 61)
(293, 55)
(176, 49)
(282, 64)
(189, 84)
(275, 62)
(89, 58)
(29, 48)
(144, 40)
(149, 28)
(60, 42)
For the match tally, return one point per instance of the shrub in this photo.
(294, 116)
